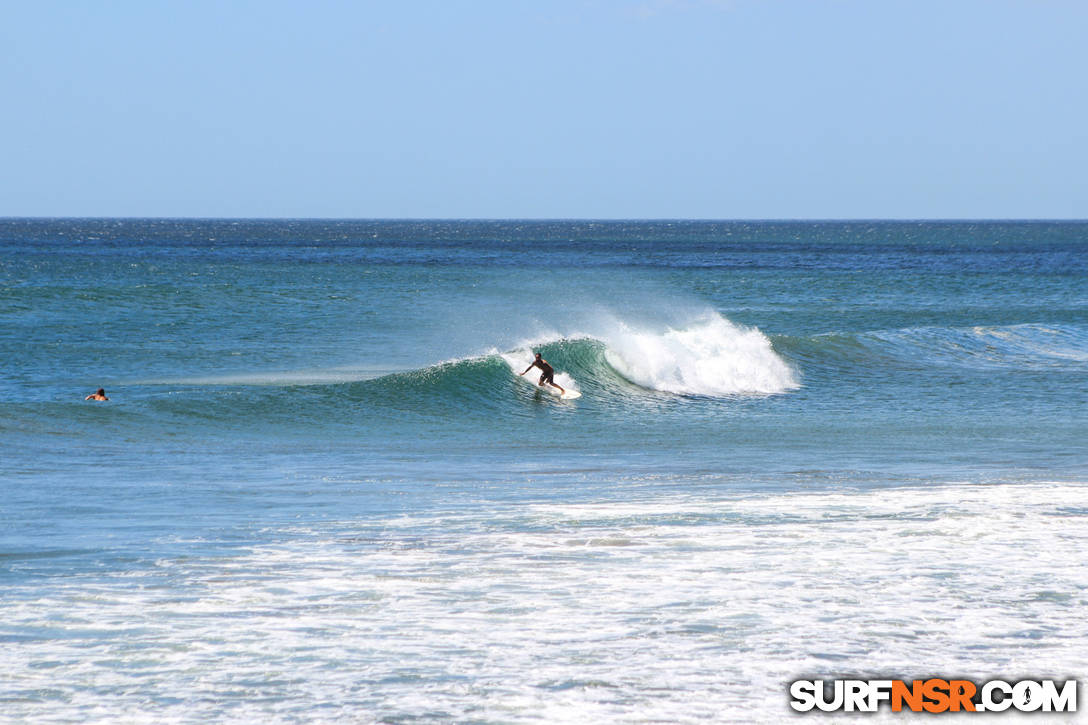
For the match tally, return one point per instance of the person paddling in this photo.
(99, 395)
(547, 375)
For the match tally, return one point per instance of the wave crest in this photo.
(713, 357)
(1016, 347)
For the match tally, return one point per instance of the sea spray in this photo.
(712, 356)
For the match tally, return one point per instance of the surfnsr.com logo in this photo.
(934, 695)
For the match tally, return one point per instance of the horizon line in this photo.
(554, 219)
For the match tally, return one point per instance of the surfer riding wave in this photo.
(547, 374)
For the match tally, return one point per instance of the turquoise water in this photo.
(319, 490)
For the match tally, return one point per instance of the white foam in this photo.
(711, 356)
(534, 614)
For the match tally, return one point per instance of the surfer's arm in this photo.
(531, 366)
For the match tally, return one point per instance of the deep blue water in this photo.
(278, 383)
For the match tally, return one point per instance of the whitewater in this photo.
(710, 357)
(320, 492)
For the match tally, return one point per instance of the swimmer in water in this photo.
(548, 372)
(100, 395)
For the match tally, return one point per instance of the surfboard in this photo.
(568, 394)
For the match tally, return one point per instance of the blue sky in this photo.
(735, 109)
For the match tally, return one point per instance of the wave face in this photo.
(713, 357)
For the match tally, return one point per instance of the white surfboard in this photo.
(567, 394)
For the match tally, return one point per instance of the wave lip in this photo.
(712, 357)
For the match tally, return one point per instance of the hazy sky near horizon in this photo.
(729, 109)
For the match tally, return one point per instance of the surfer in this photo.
(548, 372)
(99, 395)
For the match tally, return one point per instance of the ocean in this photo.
(320, 492)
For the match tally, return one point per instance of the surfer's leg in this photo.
(554, 384)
